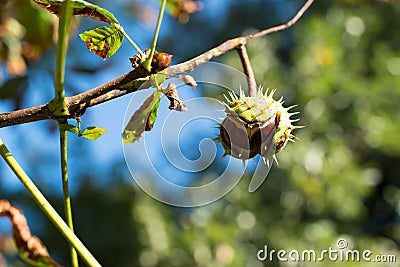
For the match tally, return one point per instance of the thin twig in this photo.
(284, 26)
(248, 70)
(133, 81)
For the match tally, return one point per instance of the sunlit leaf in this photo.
(143, 119)
(103, 41)
(81, 8)
(93, 133)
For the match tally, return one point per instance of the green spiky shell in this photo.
(255, 125)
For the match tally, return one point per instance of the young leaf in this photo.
(103, 41)
(93, 133)
(143, 119)
(81, 8)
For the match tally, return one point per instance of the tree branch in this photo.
(133, 81)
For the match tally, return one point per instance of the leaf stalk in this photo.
(147, 62)
(121, 29)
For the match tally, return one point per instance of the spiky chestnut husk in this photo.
(255, 125)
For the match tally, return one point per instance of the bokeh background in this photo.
(340, 64)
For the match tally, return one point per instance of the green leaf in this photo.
(103, 41)
(143, 119)
(69, 128)
(81, 8)
(93, 133)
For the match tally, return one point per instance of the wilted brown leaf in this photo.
(175, 102)
(30, 247)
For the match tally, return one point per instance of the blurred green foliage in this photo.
(25, 34)
(341, 65)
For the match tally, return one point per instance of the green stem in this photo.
(147, 63)
(60, 107)
(62, 46)
(67, 197)
(121, 29)
(50, 212)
